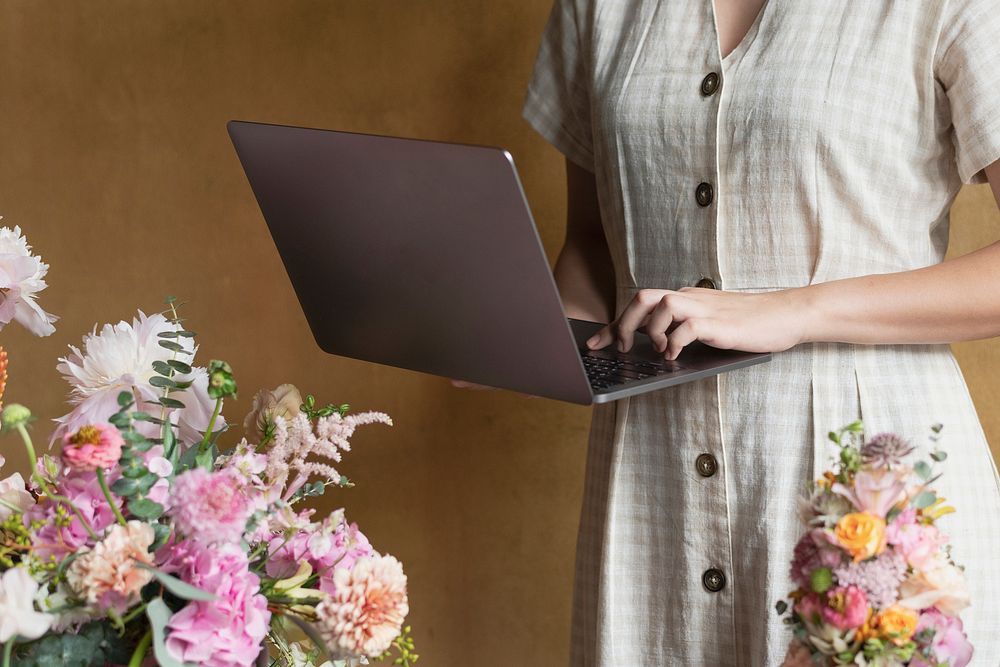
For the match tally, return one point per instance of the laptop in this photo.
(423, 255)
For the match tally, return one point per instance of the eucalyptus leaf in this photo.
(173, 347)
(923, 470)
(168, 402)
(179, 366)
(120, 419)
(147, 481)
(179, 588)
(145, 509)
(924, 499)
(159, 615)
(125, 399)
(163, 368)
(160, 535)
(94, 644)
(125, 487)
(939, 456)
(160, 381)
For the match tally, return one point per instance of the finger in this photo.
(633, 317)
(601, 339)
(659, 322)
(685, 334)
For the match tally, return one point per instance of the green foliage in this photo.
(924, 499)
(96, 644)
(403, 644)
(145, 509)
(781, 607)
(309, 407)
(221, 382)
(177, 587)
(821, 579)
(159, 614)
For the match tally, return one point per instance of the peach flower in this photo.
(365, 611)
(862, 534)
(109, 576)
(941, 585)
(897, 624)
(284, 402)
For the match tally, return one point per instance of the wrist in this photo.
(804, 303)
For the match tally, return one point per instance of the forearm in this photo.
(586, 282)
(952, 301)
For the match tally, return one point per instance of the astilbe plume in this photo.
(297, 439)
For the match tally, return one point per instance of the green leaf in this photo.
(131, 472)
(120, 419)
(173, 347)
(925, 499)
(146, 482)
(179, 366)
(159, 615)
(145, 509)
(125, 486)
(125, 399)
(94, 644)
(205, 460)
(169, 299)
(133, 437)
(177, 334)
(170, 402)
(781, 607)
(923, 470)
(160, 381)
(177, 587)
(163, 368)
(892, 514)
(937, 428)
(312, 633)
(833, 437)
(160, 533)
(939, 456)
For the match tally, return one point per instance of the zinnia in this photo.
(110, 576)
(210, 506)
(365, 612)
(93, 446)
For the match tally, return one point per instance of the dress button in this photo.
(704, 194)
(705, 283)
(710, 84)
(706, 465)
(713, 580)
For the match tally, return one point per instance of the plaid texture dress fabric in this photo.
(835, 143)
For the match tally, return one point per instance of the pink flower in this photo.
(93, 446)
(226, 631)
(210, 506)
(949, 644)
(332, 544)
(60, 532)
(846, 608)
(876, 490)
(108, 577)
(365, 612)
(918, 543)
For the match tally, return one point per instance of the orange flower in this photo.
(897, 624)
(862, 534)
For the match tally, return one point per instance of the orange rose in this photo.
(862, 534)
(897, 624)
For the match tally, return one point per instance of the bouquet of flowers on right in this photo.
(876, 584)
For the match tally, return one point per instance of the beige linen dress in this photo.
(830, 143)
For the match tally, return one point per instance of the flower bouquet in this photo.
(140, 540)
(876, 582)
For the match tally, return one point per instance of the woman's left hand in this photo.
(751, 322)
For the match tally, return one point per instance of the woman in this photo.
(767, 176)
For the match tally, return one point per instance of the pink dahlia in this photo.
(365, 611)
(110, 575)
(226, 631)
(210, 506)
(93, 446)
(846, 608)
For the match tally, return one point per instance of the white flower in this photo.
(940, 585)
(18, 617)
(120, 358)
(22, 276)
(14, 496)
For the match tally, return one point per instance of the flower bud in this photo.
(15, 415)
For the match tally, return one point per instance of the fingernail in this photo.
(621, 346)
(594, 340)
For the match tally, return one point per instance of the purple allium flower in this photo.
(879, 578)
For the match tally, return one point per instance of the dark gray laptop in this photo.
(424, 255)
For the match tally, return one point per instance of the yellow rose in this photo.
(862, 534)
(897, 624)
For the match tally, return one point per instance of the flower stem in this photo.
(8, 649)
(211, 425)
(141, 648)
(107, 494)
(45, 487)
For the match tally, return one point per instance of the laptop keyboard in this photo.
(606, 370)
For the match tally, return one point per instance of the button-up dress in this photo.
(830, 143)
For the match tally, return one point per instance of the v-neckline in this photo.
(747, 39)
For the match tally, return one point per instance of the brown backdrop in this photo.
(116, 162)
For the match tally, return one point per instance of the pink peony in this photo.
(364, 613)
(226, 631)
(59, 532)
(949, 644)
(109, 577)
(93, 446)
(210, 506)
(877, 490)
(918, 543)
(846, 608)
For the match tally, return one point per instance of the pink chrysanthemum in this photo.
(110, 576)
(210, 506)
(93, 446)
(226, 631)
(365, 612)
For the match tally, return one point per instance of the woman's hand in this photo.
(762, 322)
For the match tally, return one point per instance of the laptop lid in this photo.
(415, 254)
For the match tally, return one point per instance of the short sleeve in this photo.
(557, 104)
(967, 65)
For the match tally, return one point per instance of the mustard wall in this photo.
(116, 162)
